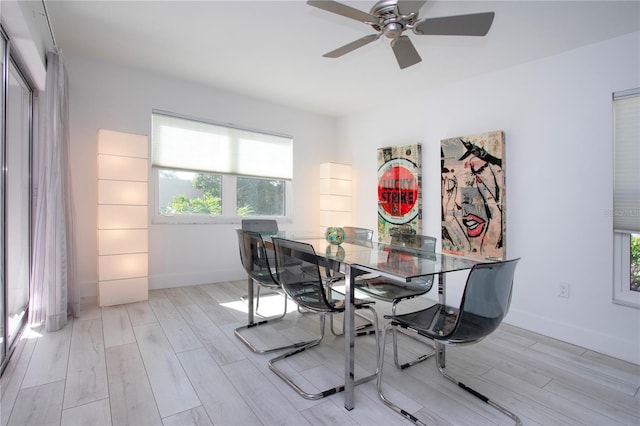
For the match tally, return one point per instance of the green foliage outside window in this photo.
(264, 197)
(635, 262)
(209, 203)
(210, 183)
(255, 196)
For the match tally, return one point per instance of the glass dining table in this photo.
(402, 264)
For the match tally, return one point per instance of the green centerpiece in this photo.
(334, 235)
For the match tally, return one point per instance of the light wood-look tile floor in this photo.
(174, 360)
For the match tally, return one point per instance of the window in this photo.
(626, 211)
(16, 131)
(211, 173)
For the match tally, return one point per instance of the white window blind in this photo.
(626, 214)
(180, 143)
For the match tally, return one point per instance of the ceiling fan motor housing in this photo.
(393, 30)
(390, 22)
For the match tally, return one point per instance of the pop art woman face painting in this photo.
(472, 190)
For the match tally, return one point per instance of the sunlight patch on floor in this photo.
(270, 305)
(30, 332)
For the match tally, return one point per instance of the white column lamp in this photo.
(122, 218)
(335, 194)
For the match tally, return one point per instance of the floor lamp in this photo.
(123, 247)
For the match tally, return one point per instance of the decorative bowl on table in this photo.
(334, 235)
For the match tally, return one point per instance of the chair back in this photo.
(485, 301)
(359, 236)
(423, 243)
(299, 275)
(263, 226)
(254, 257)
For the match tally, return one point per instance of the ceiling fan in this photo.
(393, 17)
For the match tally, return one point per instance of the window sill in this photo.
(630, 301)
(209, 220)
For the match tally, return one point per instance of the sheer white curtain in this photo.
(54, 287)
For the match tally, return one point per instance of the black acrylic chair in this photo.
(263, 227)
(395, 292)
(303, 283)
(255, 261)
(484, 304)
(359, 236)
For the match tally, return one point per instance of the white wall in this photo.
(556, 114)
(110, 97)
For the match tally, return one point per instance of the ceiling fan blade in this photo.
(407, 7)
(476, 24)
(343, 9)
(352, 46)
(406, 53)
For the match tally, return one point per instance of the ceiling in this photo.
(272, 50)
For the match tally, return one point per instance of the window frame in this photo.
(622, 293)
(229, 201)
(229, 205)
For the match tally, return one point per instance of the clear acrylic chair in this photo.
(360, 236)
(303, 283)
(263, 227)
(257, 264)
(395, 292)
(484, 304)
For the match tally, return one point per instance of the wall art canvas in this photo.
(473, 195)
(399, 191)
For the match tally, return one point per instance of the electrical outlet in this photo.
(563, 290)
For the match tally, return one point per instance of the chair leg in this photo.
(415, 361)
(383, 398)
(302, 311)
(257, 350)
(410, 416)
(257, 305)
(330, 391)
(257, 301)
(395, 347)
(477, 394)
(359, 329)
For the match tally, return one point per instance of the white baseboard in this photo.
(615, 346)
(157, 282)
(89, 289)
